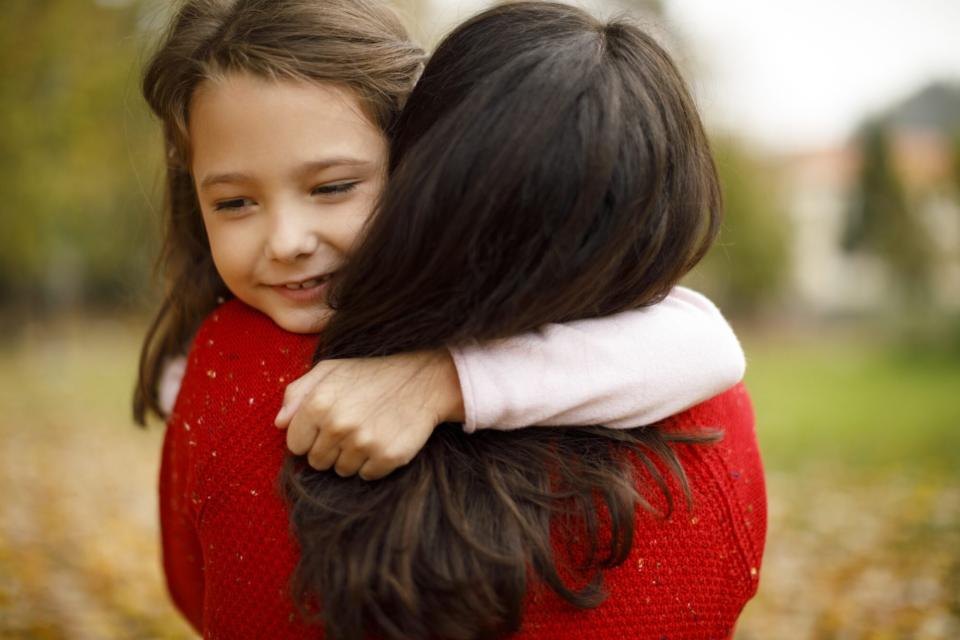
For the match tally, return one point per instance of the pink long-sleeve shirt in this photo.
(631, 369)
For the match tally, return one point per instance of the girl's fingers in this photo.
(292, 398)
(283, 418)
(349, 462)
(372, 470)
(301, 434)
(322, 458)
(299, 389)
(325, 450)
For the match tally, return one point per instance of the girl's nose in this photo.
(291, 238)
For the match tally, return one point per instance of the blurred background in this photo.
(836, 127)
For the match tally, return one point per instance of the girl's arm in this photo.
(621, 371)
(625, 370)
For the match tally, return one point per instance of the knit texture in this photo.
(228, 552)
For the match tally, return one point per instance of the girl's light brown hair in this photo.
(357, 44)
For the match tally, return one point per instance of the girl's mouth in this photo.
(311, 290)
(306, 284)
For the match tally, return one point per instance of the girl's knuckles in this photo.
(338, 429)
(392, 462)
(317, 405)
(364, 444)
(394, 457)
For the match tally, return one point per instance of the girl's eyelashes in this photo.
(238, 204)
(334, 189)
(233, 204)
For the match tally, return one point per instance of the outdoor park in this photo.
(838, 266)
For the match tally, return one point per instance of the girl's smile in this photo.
(312, 290)
(287, 173)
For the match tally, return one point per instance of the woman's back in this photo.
(228, 551)
(689, 575)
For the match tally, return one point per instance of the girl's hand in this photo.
(370, 415)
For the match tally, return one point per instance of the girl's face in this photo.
(287, 173)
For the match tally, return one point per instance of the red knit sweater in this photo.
(228, 551)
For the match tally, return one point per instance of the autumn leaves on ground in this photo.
(860, 445)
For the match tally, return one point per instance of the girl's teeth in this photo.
(304, 285)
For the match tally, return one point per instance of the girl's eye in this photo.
(234, 204)
(333, 189)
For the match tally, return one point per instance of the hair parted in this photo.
(357, 44)
(547, 167)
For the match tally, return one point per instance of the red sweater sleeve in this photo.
(180, 547)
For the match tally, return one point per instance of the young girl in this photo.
(631, 369)
(283, 206)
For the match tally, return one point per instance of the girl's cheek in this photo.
(351, 232)
(237, 237)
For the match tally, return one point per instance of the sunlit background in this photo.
(836, 127)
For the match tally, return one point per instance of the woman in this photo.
(549, 168)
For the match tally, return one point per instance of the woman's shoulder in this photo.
(237, 345)
(731, 469)
(237, 369)
(730, 410)
(234, 317)
(236, 326)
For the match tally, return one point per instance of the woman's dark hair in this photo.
(547, 167)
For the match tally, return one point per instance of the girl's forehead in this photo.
(240, 116)
(239, 97)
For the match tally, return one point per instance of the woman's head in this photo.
(546, 167)
(350, 60)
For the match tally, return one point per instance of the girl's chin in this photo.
(302, 320)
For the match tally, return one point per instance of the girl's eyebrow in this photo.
(223, 178)
(315, 166)
(306, 168)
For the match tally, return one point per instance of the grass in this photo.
(866, 406)
(861, 441)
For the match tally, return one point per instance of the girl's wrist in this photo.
(446, 382)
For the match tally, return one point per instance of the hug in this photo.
(491, 239)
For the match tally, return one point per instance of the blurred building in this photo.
(819, 186)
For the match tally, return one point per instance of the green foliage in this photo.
(859, 404)
(77, 148)
(748, 263)
(880, 219)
